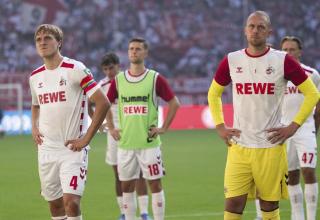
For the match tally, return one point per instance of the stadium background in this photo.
(187, 39)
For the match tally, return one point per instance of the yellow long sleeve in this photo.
(311, 98)
(215, 103)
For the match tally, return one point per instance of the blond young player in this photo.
(60, 89)
(256, 156)
(137, 90)
(302, 146)
(110, 65)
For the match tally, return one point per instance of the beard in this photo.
(136, 61)
(257, 42)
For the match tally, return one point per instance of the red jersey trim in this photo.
(67, 65)
(255, 56)
(38, 70)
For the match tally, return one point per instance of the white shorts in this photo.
(62, 172)
(112, 150)
(131, 162)
(302, 152)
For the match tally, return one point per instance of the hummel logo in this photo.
(239, 70)
(40, 85)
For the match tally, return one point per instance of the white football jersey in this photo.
(62, 96)
(293, 100)
(258, 84)
(105, 85)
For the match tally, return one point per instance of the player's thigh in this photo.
(128, 166)
(112, 151)
(238, 178)
(292, 155)
(73, 173)
(49, 169)
(307, 151)
(151, 163)
(270, 171)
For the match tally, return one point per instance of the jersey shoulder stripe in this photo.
(38, 70)
(67, 65)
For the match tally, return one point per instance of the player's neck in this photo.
(137, 69)
(257, 51)
(53, 62)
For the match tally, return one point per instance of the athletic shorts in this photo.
(112, 151)
(62, 172)
(302, 152)
(132, 162)
(256, 169)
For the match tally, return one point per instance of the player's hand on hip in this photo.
(115, 133)
(153, 131)
(227, 133)
(37, 136)
(281, 134)
(77, 145)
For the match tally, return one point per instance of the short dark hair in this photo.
(292, 38)
(109, 58)
(140, 40)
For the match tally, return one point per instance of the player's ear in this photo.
(59, 45)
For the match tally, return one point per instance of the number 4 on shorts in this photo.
(74, 182)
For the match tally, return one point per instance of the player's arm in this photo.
(35, 112)
(115, 132)
(173, 106)
(311, 98)
(102, 105)
(112, 96)
(222, 78)
(90, 109)
(164, 91)
(296, 74)
(37, 136)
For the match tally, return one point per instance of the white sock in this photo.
(59, 218)
(129, 205)
(296, 201)
(311, 197)
(158, 205)
(120, 204)
(75, 218)
(258, 208)
(143, 204)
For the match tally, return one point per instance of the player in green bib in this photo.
(138, 90)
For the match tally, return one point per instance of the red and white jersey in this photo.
(258, 84)
(62, 96)
(293, 100)
(105, 85)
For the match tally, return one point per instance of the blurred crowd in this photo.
(187, 37)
